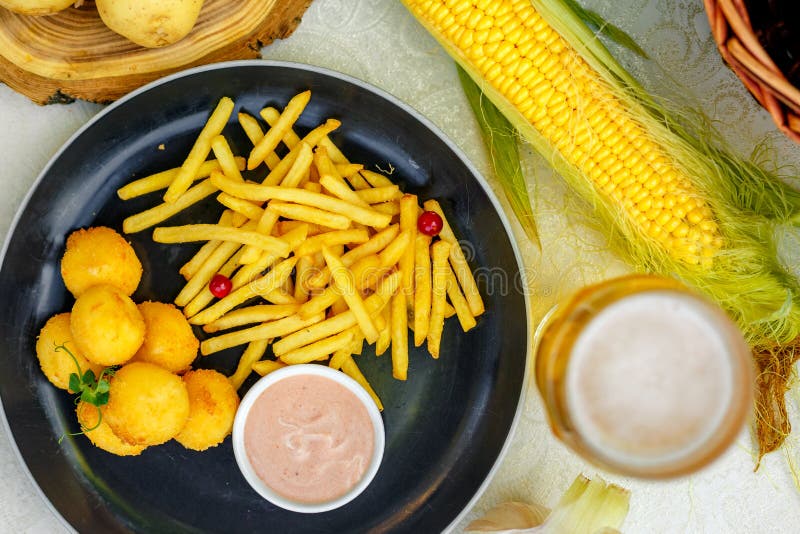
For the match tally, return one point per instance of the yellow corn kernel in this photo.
(633, 190)
(627, 180)
(438, 15)
(682, 230)
(645, 203)
(491, 48)
(694, 217)
(459, 7)
(522, 96)
(506, 54)
(493, 73)
(461, 17)
(512, 91)
(474, 18)
(526, 107)
(485, 23)
(630, 156)
(504, 86)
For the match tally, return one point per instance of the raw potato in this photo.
(147, 405)
(168, 339)
(106, 325)
(212, 407)
(150, 23)
(97, 256)
(36, 7)
(57, 365)
(102, 436)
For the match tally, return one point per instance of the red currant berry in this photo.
(220, 285)
(429, 223)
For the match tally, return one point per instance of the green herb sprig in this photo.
(91, 389)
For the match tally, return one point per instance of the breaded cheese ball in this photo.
(106, 325)
(102, 436)
(147, 405)
(98, 256)
(212, 407)
(168, 340)
(56, 364)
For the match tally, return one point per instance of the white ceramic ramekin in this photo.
(306, 370)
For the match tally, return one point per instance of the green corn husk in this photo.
(748, 203)
(500, 138)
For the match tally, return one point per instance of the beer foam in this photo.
(650, 378)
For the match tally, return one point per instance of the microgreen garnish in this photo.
(91, 389)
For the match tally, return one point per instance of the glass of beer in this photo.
(643, 376)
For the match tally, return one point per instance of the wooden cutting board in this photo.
(72, 54)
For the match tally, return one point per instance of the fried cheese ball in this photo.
(56, 364)
(212, 406)
(147, 405)
(168, 340)
(106, 325)
(102, 436)
(99, 256)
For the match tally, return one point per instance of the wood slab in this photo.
(72, 54)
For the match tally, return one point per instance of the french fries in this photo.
(255, 351)
(277, 174)
(206, 232)
(409, 211)
(374, 195)
(246, 274)
(272, 329)
(341, 237)
(319, 350)
(227, 161)
(252, 314)
(190, 267)
(375, 244)
(321, 253)
(162, 212)
(300, 212)
(399, 329)
(271, 115)
(338, 323)
(262, 286)
(161, 180)
(265, 367)
(197, 155)
(359, 214)
(346, 285)
(439, 253)
(422, 288)
(243, 207)
(270, 141)
(460, 303)
(459, 262)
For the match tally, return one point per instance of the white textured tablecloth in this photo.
(377, 41)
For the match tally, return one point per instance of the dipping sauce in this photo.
(309, 438)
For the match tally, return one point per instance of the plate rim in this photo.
(525, 386)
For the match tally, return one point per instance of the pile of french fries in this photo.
(322, 253)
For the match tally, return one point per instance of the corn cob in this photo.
(676, 204)
(522, 57)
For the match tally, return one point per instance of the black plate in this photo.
(446, 427)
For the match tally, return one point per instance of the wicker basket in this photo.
(739, 46)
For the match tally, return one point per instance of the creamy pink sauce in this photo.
(309, 438)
